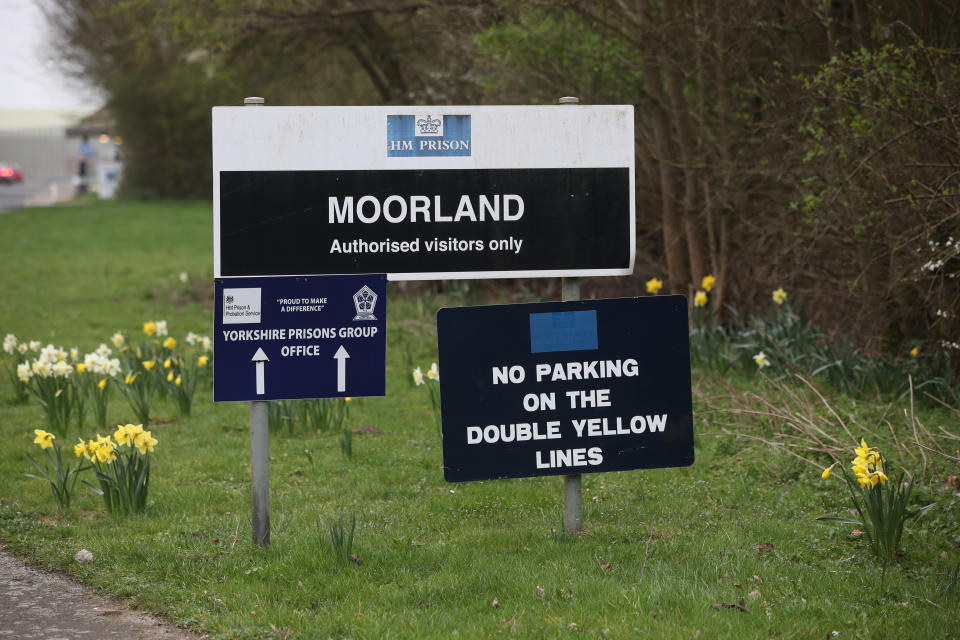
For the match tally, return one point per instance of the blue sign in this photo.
(300, 337)
(565, 387)
(426, 135)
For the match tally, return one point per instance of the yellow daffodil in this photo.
(826, 472)
(149, 364)
(700, 299)
(81, 367)
(177, 381)
(654, 285)
(868, 466)
(170, 343)
(170, 377)
(348, 400)
(707, 283)
(130, 378)
(44, 439)
(80, 449)
(914, 352)
(167, 363)
(102, 384)
(144, 442)
(104, 449)
(779, 296)
(202, 361)
(121, 435)
(150, 328)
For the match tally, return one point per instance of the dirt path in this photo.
(48, 606)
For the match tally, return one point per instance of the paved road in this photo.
(37, 191)
(49, 606)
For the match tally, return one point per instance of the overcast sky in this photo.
(27, 79)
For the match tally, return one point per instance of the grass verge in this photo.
(726, 548)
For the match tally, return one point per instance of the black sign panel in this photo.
(432, 223)
(565, 387)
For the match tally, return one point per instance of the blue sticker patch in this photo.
(563, 331)
(426, 135)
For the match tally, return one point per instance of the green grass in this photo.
(738, 525)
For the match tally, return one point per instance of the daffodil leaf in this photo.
(838, 520)
(914, 512)
(96, 490)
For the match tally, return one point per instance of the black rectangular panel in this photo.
(610, 392)
(279, 222)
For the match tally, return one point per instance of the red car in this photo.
(10, 172)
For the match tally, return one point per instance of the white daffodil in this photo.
(111, 367)
(117, 339)
(9, 343)
(433, 373)
(161, 327)
(61, 369)
(418, 376)
(761, 360)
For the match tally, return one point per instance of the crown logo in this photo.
(428, 125)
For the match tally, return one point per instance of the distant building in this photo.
(37, 140)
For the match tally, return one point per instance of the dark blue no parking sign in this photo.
(565, 387)
(300, 337)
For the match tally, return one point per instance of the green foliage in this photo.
(880, 186)
(319, 415)
(346, 442)
(556, 51)
(793, 345)
(61, 477)
(341, 536)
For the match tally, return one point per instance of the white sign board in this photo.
(424, 192)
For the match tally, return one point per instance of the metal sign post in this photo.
(572, 486)
(259, 449)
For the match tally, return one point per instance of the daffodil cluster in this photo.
(122, 466)
(61, 477)
(880, 505)
(67, 384)
(165, 367)
(432, 382)
(868, 466)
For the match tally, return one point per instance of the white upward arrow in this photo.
(259, 358)
(341, 355)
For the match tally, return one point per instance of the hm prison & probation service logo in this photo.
(428, 134)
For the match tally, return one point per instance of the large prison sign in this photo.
(424, 192)
(565, 387)
(300, 337)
